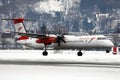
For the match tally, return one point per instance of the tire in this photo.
(107, 51)
(45, 53)
(79, 53)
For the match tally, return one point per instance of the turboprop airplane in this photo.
(51, 41)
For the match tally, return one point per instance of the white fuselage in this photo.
(72, 42)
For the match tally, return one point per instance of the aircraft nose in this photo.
(110, 43)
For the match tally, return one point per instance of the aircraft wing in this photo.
(33, 35)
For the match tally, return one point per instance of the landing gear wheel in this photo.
(80, 53)
(45, 53)
(107, 51)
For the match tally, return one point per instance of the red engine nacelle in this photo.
(47, 40)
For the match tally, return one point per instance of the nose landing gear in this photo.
(79, 53)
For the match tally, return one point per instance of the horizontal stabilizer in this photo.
(19, 19)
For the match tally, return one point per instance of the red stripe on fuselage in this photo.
(19, 20)
(23, 38)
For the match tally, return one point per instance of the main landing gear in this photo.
(45, 53)
(79, 53)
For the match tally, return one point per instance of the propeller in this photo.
(60, 39)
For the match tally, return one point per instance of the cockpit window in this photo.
(101, 38)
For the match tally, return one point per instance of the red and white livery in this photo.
(52, 41)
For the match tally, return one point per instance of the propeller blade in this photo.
(63, 40)
(59, 44)
(59, 39)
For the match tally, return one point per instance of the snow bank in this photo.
(58, 56)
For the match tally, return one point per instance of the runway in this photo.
(18, 70)
(67, 64)
(24, 65)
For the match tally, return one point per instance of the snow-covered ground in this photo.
(59, 56)
(38, 70)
